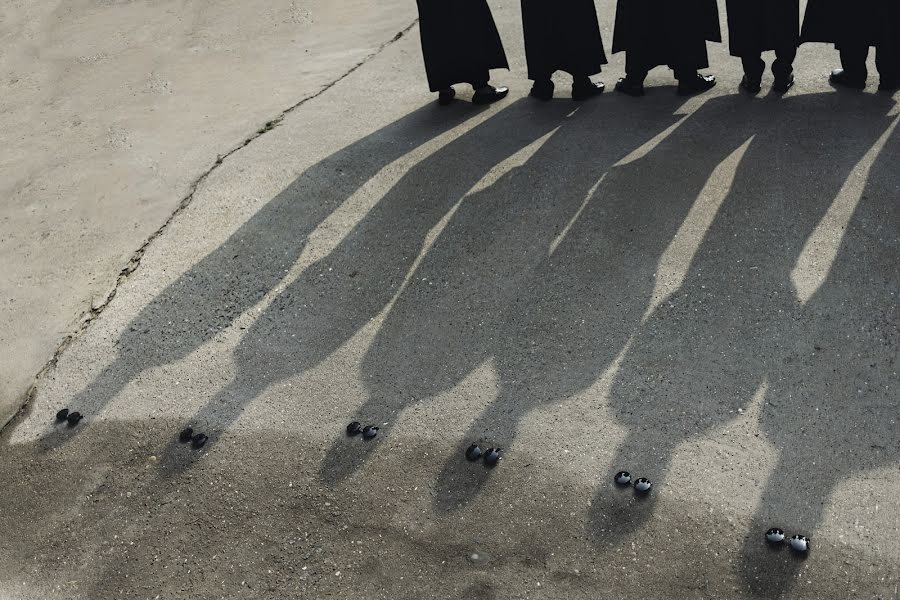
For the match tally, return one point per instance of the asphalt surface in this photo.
(702, 292)
(111, 114)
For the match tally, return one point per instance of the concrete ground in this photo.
(112, 112)
(702, 292)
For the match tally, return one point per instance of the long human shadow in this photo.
(234, 277)
(339, 294)
(833, 401)
(704, 352)
(513, 279)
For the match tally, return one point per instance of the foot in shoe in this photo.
(783, 84)
(542, 90)
(445, 97)
(751, 85)
(696, 85)
(889, 85)
(582, 90)
(489, 94)
(841, 78)
(630, 87)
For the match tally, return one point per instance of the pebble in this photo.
(473, 453)
(775, 536)
(623, 478)
(800, 544)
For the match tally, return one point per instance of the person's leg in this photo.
(543, 86)
(754, 66)
(887, 59)
(783, 68)
(690, 81)
(583, 88)
(481, 82)
(636, 66)
(485, 93)
(853, 62)
(635, 73)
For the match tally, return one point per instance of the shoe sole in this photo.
(639, 94)
(489, 100)
(847, 86)
(582, 98)
(694, 92)
(783, 89)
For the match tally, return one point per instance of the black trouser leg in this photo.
(683, 73)
(580, 79)
(853, 61)
(887, 59)
(635, 67)
(783, 67)
(754, 66)
(479, 83)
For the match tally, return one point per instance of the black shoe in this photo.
(839, 77)
(630, 87)
(696, 85)
(889, 85)
(587, 89)
(542, 90)
(751, 86)
(445, 97)
(783, 84)
(489, 95)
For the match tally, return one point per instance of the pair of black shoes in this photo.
(753, 85)
(841, 78)
(582, 89)
(483, 95)
(689, 86)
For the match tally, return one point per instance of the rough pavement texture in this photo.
(702, 292)
(109, 114)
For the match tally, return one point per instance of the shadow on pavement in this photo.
(833, 399)
(737, 325)
(571, 246)
(217, 290)
(515, 278)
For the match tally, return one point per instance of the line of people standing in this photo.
(460, 43)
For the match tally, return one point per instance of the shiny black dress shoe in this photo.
(630, 87)
(445, 97)
(840, 77)
(489, 95)
(587, 89)
(783, 84)
(542, 90)
(696, 85)
(751, 86)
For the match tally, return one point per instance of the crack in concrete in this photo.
(134, 262)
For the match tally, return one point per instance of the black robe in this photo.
(755, 26)
(667, 32)
(853, 22)
(460, 42)
(562, 36)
